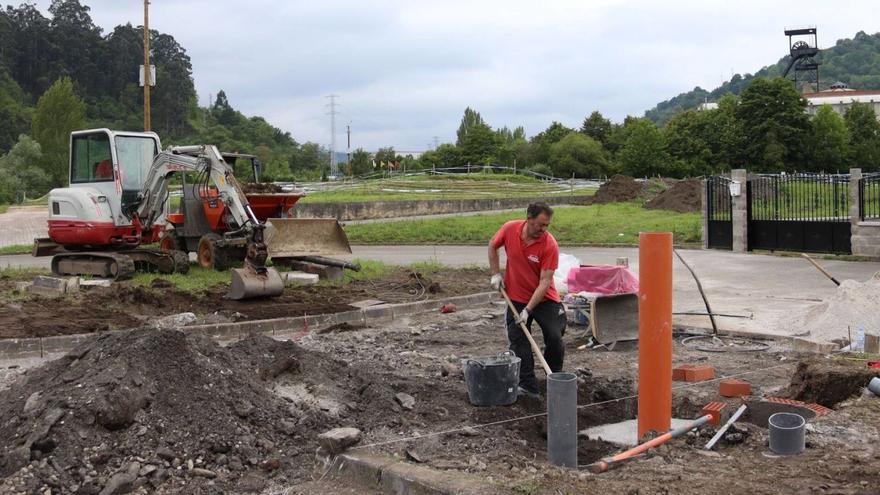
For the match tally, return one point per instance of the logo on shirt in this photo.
(534, 258)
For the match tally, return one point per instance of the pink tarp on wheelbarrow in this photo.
(602, 279)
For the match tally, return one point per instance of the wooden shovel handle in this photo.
(525, 330)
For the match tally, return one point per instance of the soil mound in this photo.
(683, 197)
(829, 382)
(159, 408)
(261, 188)
(619, 188)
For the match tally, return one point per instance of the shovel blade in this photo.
(292, 237)
(247, 283)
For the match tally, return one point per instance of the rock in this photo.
(414, 456)
(165, 453)
(406, 401)
(148, 470)
(467, 431)
(119, 483)
(32, 403)
(203, 473)
(190, 464)
(449, 369)
(271, 464)
(171, 322)
(339, 439)
(244, 409)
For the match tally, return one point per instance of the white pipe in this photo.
(724, 428)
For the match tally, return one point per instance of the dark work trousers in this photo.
(550, 315)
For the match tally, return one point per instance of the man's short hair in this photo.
(537, 208)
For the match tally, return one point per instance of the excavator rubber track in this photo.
(116, 266)
(119, 266)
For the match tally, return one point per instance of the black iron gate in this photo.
(719, 213)
(799, 212)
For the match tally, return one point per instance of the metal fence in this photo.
(799, 197)
(869, 197)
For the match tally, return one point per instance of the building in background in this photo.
(840, 97)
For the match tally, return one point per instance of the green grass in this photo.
(3, 208)
(197, 280)
(370, 270)
(617, 223)
(17, 249)
(458, 186)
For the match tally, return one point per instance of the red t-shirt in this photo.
(524, 263)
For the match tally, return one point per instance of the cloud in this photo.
(406, 70)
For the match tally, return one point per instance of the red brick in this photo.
(699, 374)
(692, 373)
(734, 388)
(818, 409)
(679, 373)
(713, 409)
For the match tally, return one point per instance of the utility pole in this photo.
(436, 142)
(334, 168)
(147, 65)
(348, 146)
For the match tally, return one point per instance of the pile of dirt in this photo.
(853, 306)
(261, 188)
(159, 408)
(829, 383)
(683, 197)
(618, 189)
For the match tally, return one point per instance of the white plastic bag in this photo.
(566, 263)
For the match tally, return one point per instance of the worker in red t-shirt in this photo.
(532, 257)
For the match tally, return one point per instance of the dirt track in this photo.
(129, 306)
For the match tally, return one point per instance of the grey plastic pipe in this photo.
(787, 433)
(562, 419)
(874, 386)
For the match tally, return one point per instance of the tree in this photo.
(59, 111)
(20, 174)
(578, 155)
(829, 143)
(864, 133)
(479, 146)
(361, 163)
(644, 151)
(539, 150)
(688, 137)
(774, 125)
(597, 127)
(470, 120)
(15, 117)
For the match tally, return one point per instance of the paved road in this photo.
(20, 225)
(772, 288)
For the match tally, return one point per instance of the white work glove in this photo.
(524, 315)
(497, 281)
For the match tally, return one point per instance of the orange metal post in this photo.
(655, 332)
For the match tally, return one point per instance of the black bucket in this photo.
(492, 381)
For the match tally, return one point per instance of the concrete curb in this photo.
(387, 475)
(299, 325)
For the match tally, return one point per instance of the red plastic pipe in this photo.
(655, 332)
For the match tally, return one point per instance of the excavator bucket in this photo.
(247, 283)
(293, 237)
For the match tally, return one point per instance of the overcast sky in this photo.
(405, 70)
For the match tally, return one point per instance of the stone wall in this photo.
(865, 234)
(366, 210)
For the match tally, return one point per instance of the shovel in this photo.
(561, 404)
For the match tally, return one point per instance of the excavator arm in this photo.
(255, 279)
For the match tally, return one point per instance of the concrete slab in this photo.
(624, 434)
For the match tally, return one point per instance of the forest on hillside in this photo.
(88, 78)
(855, 62)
